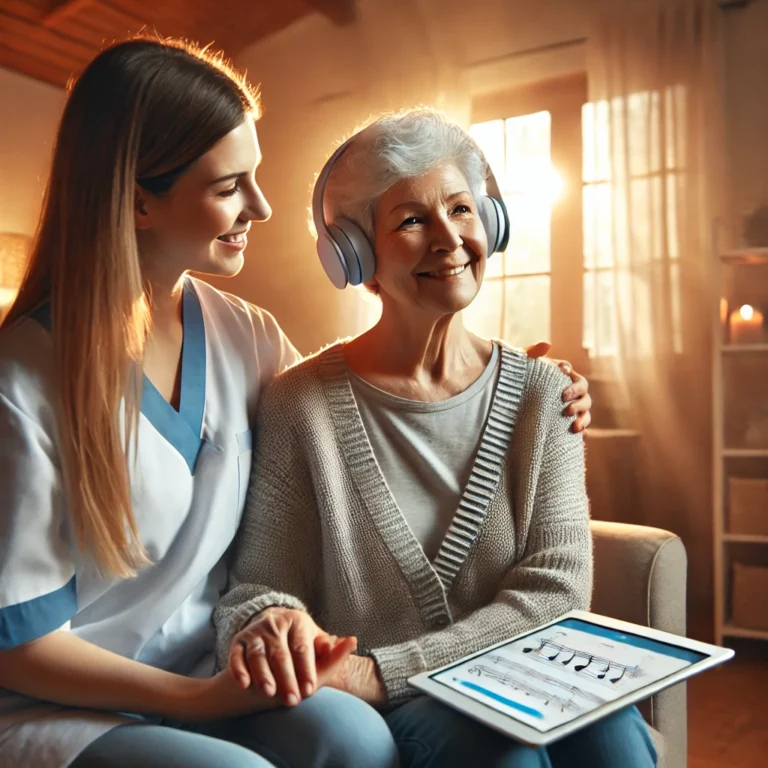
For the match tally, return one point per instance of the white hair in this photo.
(393, 147)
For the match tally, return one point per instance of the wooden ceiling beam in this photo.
(24, 47)
(22, 9)
(24, 34)
(62, 36)
(26, 64)
(62, 9)
(340, 12)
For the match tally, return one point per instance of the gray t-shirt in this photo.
(426, 450)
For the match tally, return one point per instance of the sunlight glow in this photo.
(542, 183)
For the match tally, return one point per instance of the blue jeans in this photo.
(432, 735)
(329, 730)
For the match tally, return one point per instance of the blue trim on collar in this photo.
(34, 618)
(43, 316)
(192, 405)
(183, 428)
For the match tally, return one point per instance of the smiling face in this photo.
(201, 225)
(430, 244)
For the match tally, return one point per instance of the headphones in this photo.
(345, 251)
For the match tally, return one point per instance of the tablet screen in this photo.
(555, 675)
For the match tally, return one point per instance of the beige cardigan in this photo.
(322, 532)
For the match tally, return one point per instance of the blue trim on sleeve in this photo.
(34, 618)
(665, 649)
(183, 428)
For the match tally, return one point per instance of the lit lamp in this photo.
(14, 251)
(746, 325)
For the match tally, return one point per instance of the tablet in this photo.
(545, 684)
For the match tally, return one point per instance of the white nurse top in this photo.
(188, 487)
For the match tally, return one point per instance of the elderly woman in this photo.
(416, 487)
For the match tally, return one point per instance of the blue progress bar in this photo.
(503, 699)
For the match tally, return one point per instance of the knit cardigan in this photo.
(321, 530)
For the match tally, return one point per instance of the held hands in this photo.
(217, 698)
(226, 694)
(577, 395)
(284, 653)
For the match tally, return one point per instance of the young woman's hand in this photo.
(217, 698)
(282, 651)
(576, 395)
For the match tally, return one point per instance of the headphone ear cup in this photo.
(333, 261)
(356, 249)
(493, 214)
(504, 228)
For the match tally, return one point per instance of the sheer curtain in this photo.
(652, 188)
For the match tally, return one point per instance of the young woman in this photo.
(110, 568)
(127, 394)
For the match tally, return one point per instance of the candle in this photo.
(746, 325)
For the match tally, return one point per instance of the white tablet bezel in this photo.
(506, 724)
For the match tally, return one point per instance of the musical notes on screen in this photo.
(544, 678)
(517, 684)
(530, 681)
(598, 667)
(560, 673)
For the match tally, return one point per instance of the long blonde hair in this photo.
(142, 112)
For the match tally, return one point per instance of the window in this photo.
(516, 301)
(578, 268)
(532, 140)
(632, 267)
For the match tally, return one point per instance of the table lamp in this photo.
(14, 251)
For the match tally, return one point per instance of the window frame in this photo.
(563, 97)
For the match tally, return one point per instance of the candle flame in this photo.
(746, 311)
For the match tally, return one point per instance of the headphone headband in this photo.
(318, 195)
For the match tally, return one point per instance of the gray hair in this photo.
(393, 147)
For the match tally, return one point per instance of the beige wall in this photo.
(29, 111)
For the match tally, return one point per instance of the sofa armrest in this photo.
(640, 576)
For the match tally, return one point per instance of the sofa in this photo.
(640, 576)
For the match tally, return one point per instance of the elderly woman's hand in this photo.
(282, 651)
(576, 395)
(358, 675)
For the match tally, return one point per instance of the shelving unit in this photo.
(745, 453)
(725, 541)
(752, 634)
(734, 349)
(745, 538)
